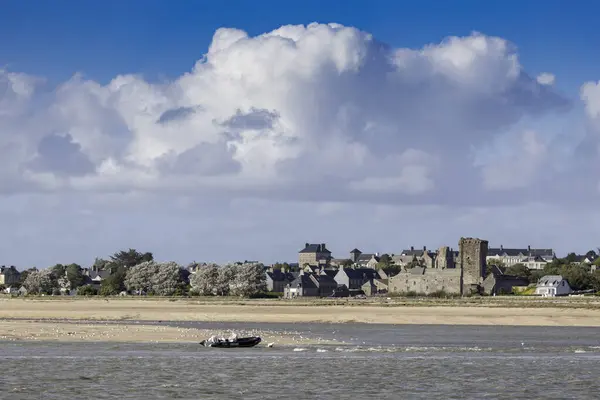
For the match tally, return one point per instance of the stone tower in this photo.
(471, 258)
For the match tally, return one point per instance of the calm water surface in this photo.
(380, 361)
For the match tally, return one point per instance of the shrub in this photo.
(438, 294)
(87, 290)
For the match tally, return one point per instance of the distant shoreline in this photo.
(510, 311)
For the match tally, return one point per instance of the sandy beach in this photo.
(37, 313)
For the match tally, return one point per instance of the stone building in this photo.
(9, 275)
(314, 255)
(463, 277)
(444, 258)
(423, 257)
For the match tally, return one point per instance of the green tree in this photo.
(114, 283)
(385, 261)
(595, 280)
(519, 270)
(100, 264)
(87, 290)
(578, 276)
(591, 254)
(597, 262)
(129, 258)
(536, 275)
(282, 266)
(74, 275)
(58, 270)
(554, 267)
(571, 258)
(494, 263)
(497, 262)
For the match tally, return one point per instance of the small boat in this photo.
(233, 342)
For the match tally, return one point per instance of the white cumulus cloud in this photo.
(322, 113)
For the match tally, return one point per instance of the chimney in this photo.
(323, 247)
(424, 248)
(306, 245)
(529, 247)
(501, 247)
(411, 248)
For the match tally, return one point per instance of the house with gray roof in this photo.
(9, 275)
(364, 260)
(552, 285)
(277, 280)
(94, 277)
(424, 256)
(532, 258)
(355, 278)
(310, 284)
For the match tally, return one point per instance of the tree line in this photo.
(138, 273)
(580, 276)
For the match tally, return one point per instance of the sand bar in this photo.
(32, 330)
(264, 311)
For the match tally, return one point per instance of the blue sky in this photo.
(164, 38)
(294, 138)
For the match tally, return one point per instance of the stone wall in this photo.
(307, 258)
(426, 281)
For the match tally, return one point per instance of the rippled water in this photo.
(383, 362)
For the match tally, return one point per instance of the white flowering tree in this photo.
(39, 282)
(166, 278)
(205, 280)
(161, 279)
(226, 279)
(250, 280)
(139, 277)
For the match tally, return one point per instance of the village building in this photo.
(314, 255)
(375, 286)
(94, 277)
(532, 258)
(464, 277)
(414, 257)
(277, 280)
(552, 285)
(500, 283)
(355, 278)
(310, 284)
(364, 260)
(9, 275)
(584, 259)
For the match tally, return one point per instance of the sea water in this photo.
(375, 361)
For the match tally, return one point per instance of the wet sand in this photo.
(34, 330)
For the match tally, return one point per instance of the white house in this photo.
(552, 285)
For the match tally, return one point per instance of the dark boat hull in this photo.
(241, 342)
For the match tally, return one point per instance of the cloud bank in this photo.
(318, 115)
